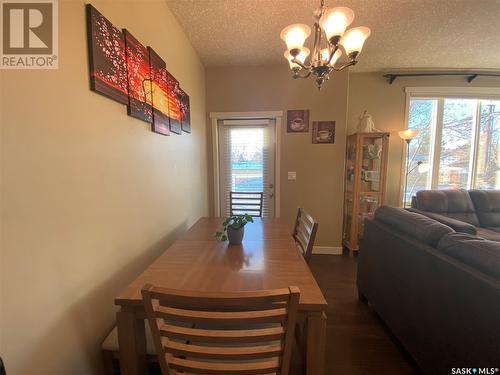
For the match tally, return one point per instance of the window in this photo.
(458, 141)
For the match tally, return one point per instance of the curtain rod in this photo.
(391, 77)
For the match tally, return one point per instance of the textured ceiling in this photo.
(406, 34)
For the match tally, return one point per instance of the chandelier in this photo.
(329, 35)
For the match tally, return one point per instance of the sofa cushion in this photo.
(487, 205)
(456, 225)
(412, 224)
(454, 203)
(491, 234)
(476, 252)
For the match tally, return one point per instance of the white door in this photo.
(247, 151)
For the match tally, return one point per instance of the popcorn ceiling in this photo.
(457, 34)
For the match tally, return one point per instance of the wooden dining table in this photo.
(267, 259)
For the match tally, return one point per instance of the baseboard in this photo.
(332, 250)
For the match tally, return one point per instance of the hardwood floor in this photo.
(357, 340)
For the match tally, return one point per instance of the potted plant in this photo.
(233, 229)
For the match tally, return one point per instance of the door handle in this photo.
(271, 195)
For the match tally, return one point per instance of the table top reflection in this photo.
(267, 259)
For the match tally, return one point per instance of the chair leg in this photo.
(107, 360)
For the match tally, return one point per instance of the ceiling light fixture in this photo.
(329, 35)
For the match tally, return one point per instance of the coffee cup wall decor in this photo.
(323, 132)
(297, 121)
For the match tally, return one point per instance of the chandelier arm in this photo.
(345, 66)
(333, 50)
(298, 62)
(297, 74)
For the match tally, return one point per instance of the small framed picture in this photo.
(297, 121)
(323, 132)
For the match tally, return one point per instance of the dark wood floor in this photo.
(357, 340)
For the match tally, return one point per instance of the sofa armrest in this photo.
(456, 225)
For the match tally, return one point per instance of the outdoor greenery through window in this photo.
(457, 145)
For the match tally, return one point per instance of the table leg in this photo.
(132, 342)
(316, 335)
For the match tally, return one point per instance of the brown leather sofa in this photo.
(473, 211)
(437, 290)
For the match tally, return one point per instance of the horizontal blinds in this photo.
(245, 161)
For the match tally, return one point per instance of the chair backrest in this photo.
(241, 203)
(222, 333)
(304, 233)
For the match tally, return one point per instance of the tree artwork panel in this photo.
(106, 47)
(185, 111)
(159, 94)
(174, 104)
(139, 79)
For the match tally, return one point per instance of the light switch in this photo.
(292, 176)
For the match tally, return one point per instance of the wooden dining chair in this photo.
(250, 203)
(304, 233)
(222, 333)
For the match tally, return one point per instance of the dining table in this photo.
(268, 258)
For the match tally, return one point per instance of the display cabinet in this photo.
(364, 188)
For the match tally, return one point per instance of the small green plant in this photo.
(235, 222)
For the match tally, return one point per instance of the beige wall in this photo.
(386, 103)
(319, 168)
(90, 196)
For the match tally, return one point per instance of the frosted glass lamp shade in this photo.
(295, 35)
(408, 134)
(325, 55)
(334, 21)
(304, 52)
(353, 40)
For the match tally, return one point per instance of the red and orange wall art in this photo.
(108, 73)
(139, 79)
(126, 71)
(159, 93)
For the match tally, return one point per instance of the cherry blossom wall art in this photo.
(159, 93)
(139, 79)
(108, 73)
(123, 69)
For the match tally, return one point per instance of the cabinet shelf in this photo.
(364, 187)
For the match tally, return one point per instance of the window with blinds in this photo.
(246, 157)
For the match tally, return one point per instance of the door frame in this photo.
(271, 115)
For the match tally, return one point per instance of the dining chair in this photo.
(246, 202)
(304, 233)
(248, 332)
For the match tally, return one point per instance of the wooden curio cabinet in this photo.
(364, 188)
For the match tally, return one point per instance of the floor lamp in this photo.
(407, 135)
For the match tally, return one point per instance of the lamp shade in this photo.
(325, 55)
(304, 52)
(295, 35)
(353, 39)
(334, 21)
(408, 134)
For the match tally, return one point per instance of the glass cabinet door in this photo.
(371, 164)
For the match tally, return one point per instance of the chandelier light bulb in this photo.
(353, 40)
(325, 55)
(304, 52)
(334, 21)
(294, 36)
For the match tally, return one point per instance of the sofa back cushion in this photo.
(455, 203)
(412, 224)
(487, 205)
(476, 252)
